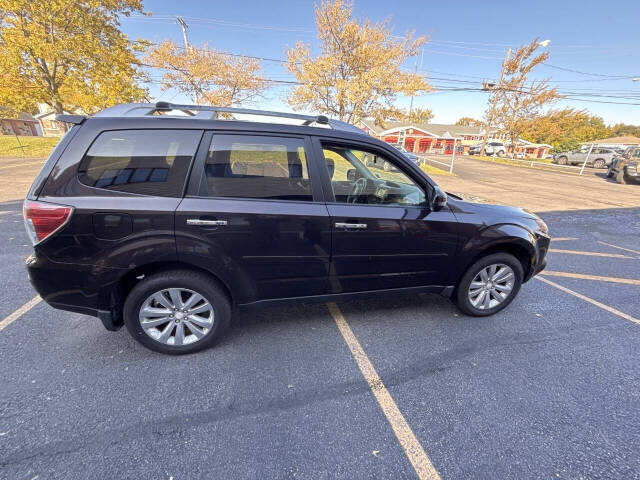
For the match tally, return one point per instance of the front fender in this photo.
(507, 237)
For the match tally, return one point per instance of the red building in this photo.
(440, 138)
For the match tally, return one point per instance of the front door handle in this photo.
(198, 221)
(355, 226)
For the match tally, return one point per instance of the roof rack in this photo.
(212, 113)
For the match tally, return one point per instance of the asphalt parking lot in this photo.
(548, 388)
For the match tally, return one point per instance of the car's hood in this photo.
(473, 204)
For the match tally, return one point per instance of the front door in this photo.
(251, 214)
(385, 235)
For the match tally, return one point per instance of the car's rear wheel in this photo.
(562, 160)
(620, 177)
(501, 153)
(489, 285)
(599, 163)
(177, 312)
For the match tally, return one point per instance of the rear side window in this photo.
(147, 162)
(261, 167)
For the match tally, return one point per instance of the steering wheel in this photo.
(356, 190)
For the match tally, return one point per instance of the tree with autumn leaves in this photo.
(206, 75)
(358, 72)
(69, 54)
(517, 100)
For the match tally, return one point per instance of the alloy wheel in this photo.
(491, 286)
(176, 316)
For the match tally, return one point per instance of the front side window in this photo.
(268, 168)
(147, 162)
(366, 177)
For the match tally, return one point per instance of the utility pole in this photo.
(184, 26)
(497, 89)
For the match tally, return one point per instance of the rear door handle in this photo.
(355, 226)
(198, 221)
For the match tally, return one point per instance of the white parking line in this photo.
(412, 448)
(9, 319)
(590, 254)
(591, 301)
(620, 248)
(597, 278)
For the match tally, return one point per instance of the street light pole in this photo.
(495, 102)
(184, 26)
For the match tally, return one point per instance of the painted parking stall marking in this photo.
(9, 319)
(412, 448)
(619, 248)
(590, 300)
(583, 276)
(589, 254)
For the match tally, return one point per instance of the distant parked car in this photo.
(490, 148)
(624, 168)
(599, 158)
(371, 161)
(410, 155)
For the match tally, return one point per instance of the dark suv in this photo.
(166, 217)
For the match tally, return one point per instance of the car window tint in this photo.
(367, 177)
(147, 162)
(270, 168)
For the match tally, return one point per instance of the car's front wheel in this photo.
(599, 163)
(562, 161)
(177, 312)
(489, 285)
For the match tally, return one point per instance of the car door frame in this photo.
(406, 167)
(234, 282)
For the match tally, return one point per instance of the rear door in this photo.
(254, 215)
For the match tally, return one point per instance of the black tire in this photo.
(185, 279)
(620, 177)
(462, 298)
(599, 163)
(610, 173)
(563, 160)
(501, 153)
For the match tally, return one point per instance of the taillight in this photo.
(42, 219)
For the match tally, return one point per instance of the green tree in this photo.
(358, 72)
(565, 129)
(69, 54)
(621, 130)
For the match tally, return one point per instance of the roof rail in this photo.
(212, 113)
(188, 109)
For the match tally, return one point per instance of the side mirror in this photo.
(439, 200)
(351, 175)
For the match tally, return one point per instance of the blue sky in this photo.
(468, 41)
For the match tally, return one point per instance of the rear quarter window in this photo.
(146, 162)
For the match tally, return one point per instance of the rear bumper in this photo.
(85, 289)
